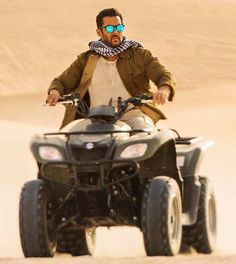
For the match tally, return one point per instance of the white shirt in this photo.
(106, 84)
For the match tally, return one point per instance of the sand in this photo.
(196, 40)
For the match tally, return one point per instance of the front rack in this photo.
(97, 132)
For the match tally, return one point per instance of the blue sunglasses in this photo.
(110, 28)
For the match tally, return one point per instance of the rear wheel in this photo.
(161, 217)
(202, 235)
(77, 242)
(38, 238)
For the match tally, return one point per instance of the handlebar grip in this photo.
(61, 99)
(149, 97)
(146, 97)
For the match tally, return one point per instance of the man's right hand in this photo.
(53, 97)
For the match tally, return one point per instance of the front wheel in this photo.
(161, 217)
(38, 238)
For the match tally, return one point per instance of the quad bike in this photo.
(98, 172)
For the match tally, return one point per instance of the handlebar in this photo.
(73, 98)
(122, 105)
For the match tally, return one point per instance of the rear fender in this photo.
(190, 155)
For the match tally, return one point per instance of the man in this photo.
(114, 66)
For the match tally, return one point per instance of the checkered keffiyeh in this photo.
(103, 49)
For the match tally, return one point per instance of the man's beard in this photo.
(114, 45)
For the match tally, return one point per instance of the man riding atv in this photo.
(98, 171)
(114, 67)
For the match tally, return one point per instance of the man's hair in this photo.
(110, 12)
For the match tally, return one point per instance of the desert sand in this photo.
(195, 39)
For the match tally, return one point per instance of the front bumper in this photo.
(70, 172)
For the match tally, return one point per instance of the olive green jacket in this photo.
(136, 67)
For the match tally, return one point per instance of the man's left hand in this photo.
(162, 94)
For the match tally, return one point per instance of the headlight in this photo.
(49, 153)
(134, 151)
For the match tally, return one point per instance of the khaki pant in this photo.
(136, 119)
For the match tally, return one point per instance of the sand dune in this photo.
(195, 39)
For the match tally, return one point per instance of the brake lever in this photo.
(62, 103)
(67, 99)
(138, 101)
(146, 101)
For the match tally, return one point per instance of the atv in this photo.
(97, 171)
